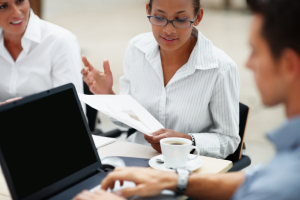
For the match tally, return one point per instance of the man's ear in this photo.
(291, 64)
(199, 17)
(148, 9)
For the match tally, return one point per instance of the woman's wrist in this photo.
(187, 136)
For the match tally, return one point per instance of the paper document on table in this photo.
(124, 109)
(102, 141)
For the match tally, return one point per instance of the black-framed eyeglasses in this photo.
(177, 23)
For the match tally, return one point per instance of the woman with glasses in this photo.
(35, 55)
(190, 86)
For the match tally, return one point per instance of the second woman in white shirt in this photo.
(190, 86)
(35, 55)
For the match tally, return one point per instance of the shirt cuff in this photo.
(208, 144)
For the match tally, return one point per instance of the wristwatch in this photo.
(183, 177)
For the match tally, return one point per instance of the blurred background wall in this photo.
(104, 28)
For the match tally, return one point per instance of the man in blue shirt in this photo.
(275, 61)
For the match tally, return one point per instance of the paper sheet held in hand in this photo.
(124, 109)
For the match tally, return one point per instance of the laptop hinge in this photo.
(100, 170)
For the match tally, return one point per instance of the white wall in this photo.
(220, 3)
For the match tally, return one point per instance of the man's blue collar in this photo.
(288, 136)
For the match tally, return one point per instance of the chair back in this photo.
(91, 113)
(244, 112)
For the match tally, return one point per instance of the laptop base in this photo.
(87, 184)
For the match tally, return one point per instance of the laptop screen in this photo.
(44, 141)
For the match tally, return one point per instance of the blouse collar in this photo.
(32, 33)
(203, 56)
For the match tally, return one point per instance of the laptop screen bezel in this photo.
(67, 182)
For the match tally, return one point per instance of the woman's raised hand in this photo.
(98, 82)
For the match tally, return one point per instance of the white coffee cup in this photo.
(176, 156)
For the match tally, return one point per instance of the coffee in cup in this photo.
(175, 143)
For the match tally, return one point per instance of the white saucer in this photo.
(191, 165)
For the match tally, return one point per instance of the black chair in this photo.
(91, 113)
(239, 160)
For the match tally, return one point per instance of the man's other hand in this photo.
(149, 182)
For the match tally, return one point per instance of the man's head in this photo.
(275, 42)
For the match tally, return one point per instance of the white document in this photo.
(102, 141)
(124, 109)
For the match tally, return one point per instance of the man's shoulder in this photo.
(280, 179)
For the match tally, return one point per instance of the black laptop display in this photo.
(46, 147)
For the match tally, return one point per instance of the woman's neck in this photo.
(174, 60)
(13, 44)
(12, 39)
(180, 55)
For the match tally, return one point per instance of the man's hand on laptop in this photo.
(97, 195)
(10, 100)
(149, 182)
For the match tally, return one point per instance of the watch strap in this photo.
(183, 177)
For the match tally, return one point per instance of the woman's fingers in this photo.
(154, 139)
(156, 146)
(159, 132)
(90, 79)
(85, 71)
(106, 67)
(87, 63)
(14, 99)
(148, 138)
(10, 100)
(87, 80)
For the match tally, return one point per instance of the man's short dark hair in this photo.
(281, 27)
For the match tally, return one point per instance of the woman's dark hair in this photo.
(281, 27)
(196, 4)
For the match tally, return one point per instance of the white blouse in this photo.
(50, 58)
(202, 98)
